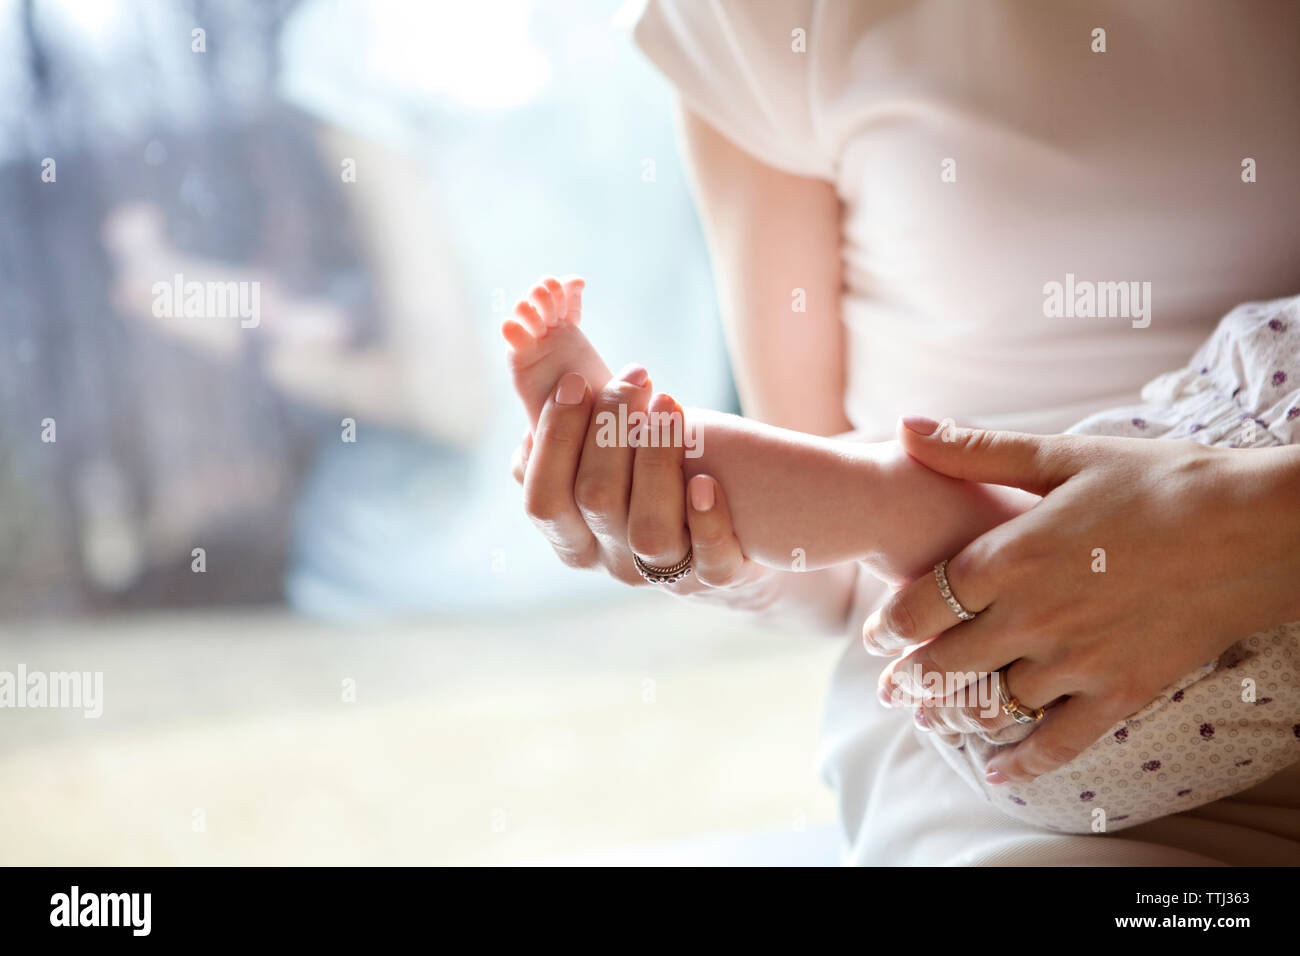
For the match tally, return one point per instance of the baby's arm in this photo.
(800, 501)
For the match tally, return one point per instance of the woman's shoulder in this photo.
(746, 68)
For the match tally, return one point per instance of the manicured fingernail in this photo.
(634, 374)
(663, 403)
(921, 720)
(701, 489)
(572, 389)
(884, 696)
(901, 694)
(995, 778)
(871, 639)
(920, 424)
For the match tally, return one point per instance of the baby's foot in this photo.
(545, 343)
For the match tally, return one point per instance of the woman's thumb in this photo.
(1036, 463)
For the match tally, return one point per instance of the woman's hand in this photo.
(598, 501)
(1144, 561)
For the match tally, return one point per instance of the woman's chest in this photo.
(990, 150)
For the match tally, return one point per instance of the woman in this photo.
(916, 175)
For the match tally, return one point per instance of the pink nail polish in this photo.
(920, 424)
(572, 389)
(701, 489)
(663, 403)
(634, 374)
(995, 778)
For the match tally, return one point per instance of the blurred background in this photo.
(327, 632)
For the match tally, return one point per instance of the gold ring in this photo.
(1011, 707)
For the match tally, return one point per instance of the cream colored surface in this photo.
(505, 741)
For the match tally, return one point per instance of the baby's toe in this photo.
(545, 304)
(517, 336)
(573, 286)
(556, 292)
(531, 318)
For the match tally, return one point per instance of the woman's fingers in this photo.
(552, 467)
(976, 708)
(918, 611)
(957, 657)
(604, 481)
(1067, 730)
(519, 460)
(970, 709)
(656, 524)
(1036, 463)
(718, 560)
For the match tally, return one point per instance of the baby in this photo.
(1197, 742)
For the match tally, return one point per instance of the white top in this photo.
(1117, 166)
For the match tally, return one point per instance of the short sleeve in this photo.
(745, 67)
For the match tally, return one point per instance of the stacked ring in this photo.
(672, 575)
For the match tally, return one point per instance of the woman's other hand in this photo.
(1144, 561)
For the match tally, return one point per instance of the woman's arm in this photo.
(772, 235)
(769, 234)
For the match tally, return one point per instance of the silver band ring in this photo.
(941, 575)
(1012, 707)
(664, 575)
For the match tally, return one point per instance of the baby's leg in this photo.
(1236, 721)
(797, 502)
